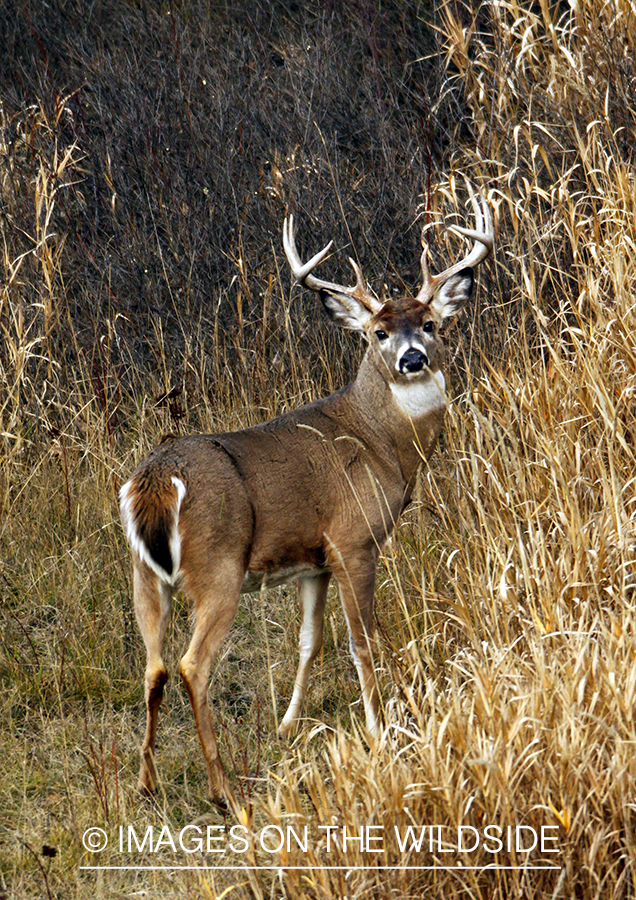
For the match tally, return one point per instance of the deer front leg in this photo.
(312, 594)
(215, 611)
(152, 607)
(356, 580)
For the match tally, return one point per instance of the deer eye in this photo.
(428, 326)
(381, 335)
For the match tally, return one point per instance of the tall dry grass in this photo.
(505, 601)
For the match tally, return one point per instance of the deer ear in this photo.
(453, 294)
(346, 310)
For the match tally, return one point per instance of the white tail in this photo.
(311, 494)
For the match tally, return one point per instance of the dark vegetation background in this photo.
(199, 126)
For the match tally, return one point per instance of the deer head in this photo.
(402, 332)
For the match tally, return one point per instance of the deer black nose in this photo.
(413, 360)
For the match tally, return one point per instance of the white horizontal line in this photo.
(326, 868)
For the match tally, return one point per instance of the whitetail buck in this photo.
(311, 494)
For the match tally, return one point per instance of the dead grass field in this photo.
(144, 290)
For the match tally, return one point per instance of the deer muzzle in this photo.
(412, 360)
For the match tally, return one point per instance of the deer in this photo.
(307, 496)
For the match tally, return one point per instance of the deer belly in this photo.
(254, 581)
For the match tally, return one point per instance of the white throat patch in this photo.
(418, 398)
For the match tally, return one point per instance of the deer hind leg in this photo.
(312, 593)
(356, 583)
(152, 608)
(215, 609)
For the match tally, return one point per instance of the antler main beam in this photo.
(484, 237)
(303, 271)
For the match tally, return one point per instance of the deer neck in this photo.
(407, 419)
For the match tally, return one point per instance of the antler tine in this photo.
(302, 272)
(360, 288)
(483, 235)
(484, 240)
(426, 274)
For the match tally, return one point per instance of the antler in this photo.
(483, 236)
(303, 272)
